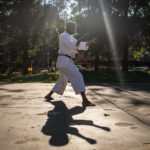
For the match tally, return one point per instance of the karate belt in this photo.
(67, 56)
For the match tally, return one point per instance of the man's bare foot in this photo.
(48, 97)
(87, 103)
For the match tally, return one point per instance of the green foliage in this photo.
(112, 77)
(89, 77)
(29, 30)
(29, 27)
(51, 77)
(130, 25)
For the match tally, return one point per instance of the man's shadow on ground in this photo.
(59, 121)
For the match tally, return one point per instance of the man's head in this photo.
(70, 27)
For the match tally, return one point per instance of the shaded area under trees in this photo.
(29, 30)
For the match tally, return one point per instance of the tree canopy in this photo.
(29, 30)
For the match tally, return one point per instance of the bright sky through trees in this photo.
(67, 9)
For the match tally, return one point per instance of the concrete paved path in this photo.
(119, 121)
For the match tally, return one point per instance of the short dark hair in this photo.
(70, 23)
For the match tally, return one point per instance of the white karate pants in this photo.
(72, 74)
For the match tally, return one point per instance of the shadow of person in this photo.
(59, 121)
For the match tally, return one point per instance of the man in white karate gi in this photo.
(68, 47)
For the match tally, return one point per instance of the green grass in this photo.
(89, 77)
(50, 77)
(112, 77)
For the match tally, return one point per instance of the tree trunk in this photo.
(25, 60)
(125, 38)
(125, 56)
(96, 62)
(96, 67)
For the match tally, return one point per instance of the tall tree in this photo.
(127, 18)
(27, 27)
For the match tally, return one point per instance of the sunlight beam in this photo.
(111, 40)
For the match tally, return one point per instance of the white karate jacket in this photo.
(67, 46)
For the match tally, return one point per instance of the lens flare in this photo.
(111, 41)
